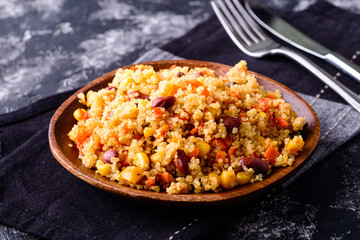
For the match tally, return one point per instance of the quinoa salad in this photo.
(184, 130)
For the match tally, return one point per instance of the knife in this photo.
(291, 35)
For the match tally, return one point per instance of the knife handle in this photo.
(345, 65)
(349, 96)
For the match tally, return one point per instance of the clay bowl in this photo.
(62, 122)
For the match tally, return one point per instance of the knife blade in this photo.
(293, 36)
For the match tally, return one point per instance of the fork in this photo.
(250, 38)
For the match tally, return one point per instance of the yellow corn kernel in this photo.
(79, 114)
(156, 157)
(142, 161)
(149, 74)
(131, 174)
(149, 131)
(228, 178)
(127, 81)
(242, 178)
(103, 168)
(263, 115)
(215, 179)
(142, 103)
(295, 145)
(204, 148)
(201, 79)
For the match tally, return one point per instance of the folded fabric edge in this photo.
(33, 109)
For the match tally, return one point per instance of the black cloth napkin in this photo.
(39, 196)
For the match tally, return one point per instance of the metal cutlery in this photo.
(291, 35)
(250, 38)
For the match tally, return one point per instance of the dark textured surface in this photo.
(46, 50)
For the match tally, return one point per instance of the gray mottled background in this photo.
(48, 47)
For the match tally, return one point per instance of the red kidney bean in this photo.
(180, 74)
(110, 87)
(164, 102)
(138, 95)
(197, 74)
(106, 158)
(230, 122)
(182, 161)
(255, 163)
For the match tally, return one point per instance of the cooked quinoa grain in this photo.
(184, 130)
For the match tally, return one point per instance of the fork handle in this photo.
(349, 96)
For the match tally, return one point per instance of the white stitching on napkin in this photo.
(337, 122)
(177, 232)
(338, 74)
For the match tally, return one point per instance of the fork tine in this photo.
(255, 27)
(231, 27)
(241, 20)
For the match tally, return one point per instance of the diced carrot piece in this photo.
(271, 154)
(228, 140)
(150, 181)
(231, 152)
(220, 155)
(262, 104)
(81, 136)
(158, 112)
(194, 130)
(201, 124)
(281, 122)
(137, 136)
(243, 72)
(164, 177)
(173, 90)
(265, 102)
(195, 83)
(124, 129)
(134, 68)
(124, 159)
(242, 115)
(195, 152)
(87, 116)
(101, 145)
(271, 95)
(206, 92)
(179, 117)
(219, 143)
(204, 73)
(164, 128)
(172, 67)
